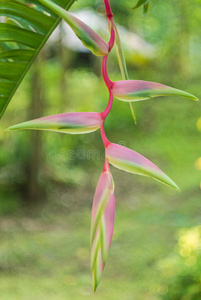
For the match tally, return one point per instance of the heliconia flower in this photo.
(74, 123)
(133, 162)
(135, 90)
(102, 223)
(88, 37)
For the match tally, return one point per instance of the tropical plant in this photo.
(103, 210)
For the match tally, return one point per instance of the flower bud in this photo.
(102, 224)
(88, 37)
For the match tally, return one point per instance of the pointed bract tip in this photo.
(95, 285)
(14, 127)
(188, 95)
(172, 184)
(195, 98)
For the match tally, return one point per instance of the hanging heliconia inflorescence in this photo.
(103, 210)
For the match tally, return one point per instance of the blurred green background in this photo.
(47, 180)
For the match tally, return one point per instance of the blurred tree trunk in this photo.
(179, 46)
(184, 40)
(34, 190)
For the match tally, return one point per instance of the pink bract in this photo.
(133, 162)
(74, 123)
(102, 223)
(135, 90)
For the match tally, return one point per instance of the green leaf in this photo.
(17, 54)
(25, 15)
(22, 36)
(145, 8)
(12, 33)
(145, 4)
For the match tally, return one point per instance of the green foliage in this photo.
(10, 204)
(181, 270)
(22, 36)
(145, 4)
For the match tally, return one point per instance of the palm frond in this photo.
(25, 27)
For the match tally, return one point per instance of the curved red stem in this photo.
(108, 9)
(107, 80)
(104, 138)
(109, 106)
(106, 166)
(112, 39)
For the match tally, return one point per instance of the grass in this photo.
(46, 253)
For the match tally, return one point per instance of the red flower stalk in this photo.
(108, 10)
